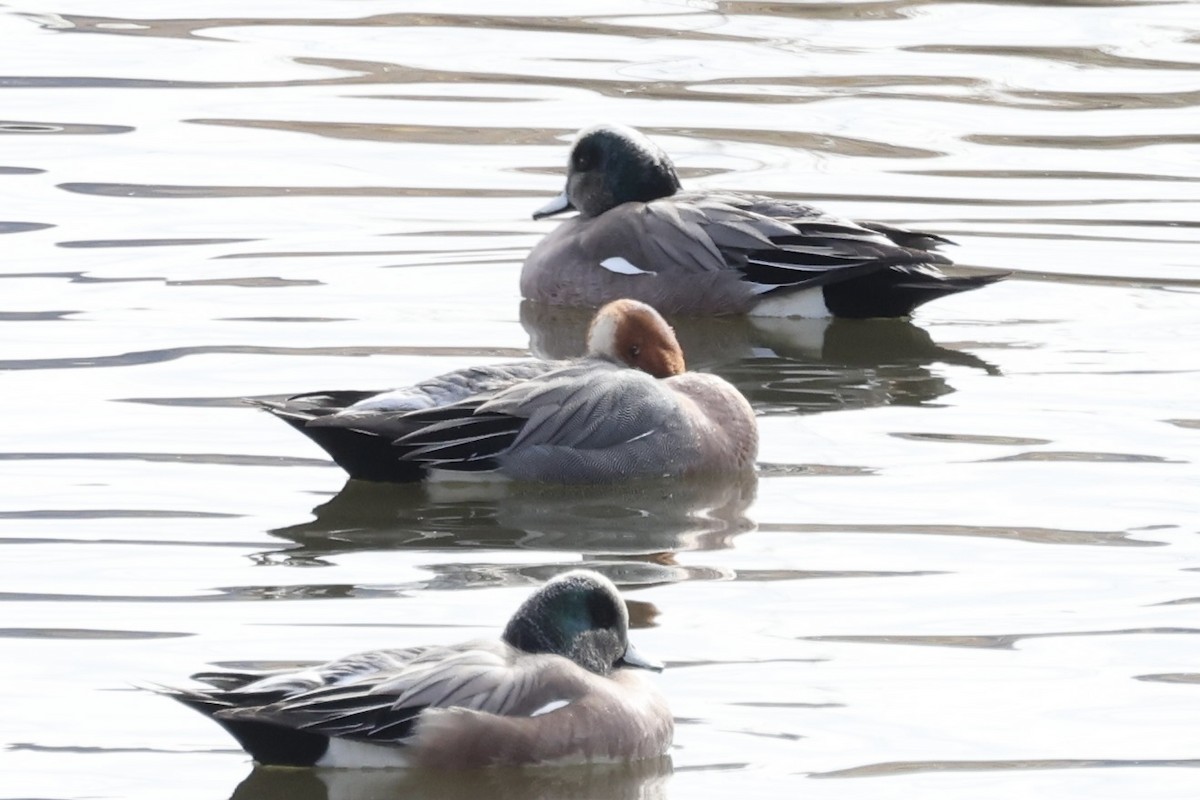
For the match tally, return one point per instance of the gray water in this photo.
(969, 565)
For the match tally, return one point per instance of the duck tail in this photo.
(916, 240)
(898, 291)
(266, 743)
(363, 455)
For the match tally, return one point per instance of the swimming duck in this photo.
(628, 409)
(561, 684)
(639, 235)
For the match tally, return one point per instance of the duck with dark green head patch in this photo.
(639, 235)
(562, 684)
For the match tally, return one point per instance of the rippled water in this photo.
(969, 565)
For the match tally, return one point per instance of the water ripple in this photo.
(140, 357)
(1007, 641)
(913, 767)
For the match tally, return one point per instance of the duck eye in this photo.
(585, 157)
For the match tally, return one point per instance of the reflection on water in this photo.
(1006, 641)
(786, 365)
(641, 780)
(941, 767)
(650, 517)
(233, 200)
(1030, 535)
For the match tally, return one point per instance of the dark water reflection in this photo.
(644, 779)
(804, 365)
(651, 517)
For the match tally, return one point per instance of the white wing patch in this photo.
(623, 267)
(553, 705)
(395, 400)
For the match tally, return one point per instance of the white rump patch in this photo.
(553, 705)
(359, 755)
(622, 267)
(808, 303)
(487, 477)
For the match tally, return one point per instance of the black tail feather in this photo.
(266, 743)
(363, 455)
(898, 292)
(917, 240)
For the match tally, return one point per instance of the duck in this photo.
(562, 684)
(628, 409)
(638, 234)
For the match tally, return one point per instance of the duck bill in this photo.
(633, 658)
(556, 206)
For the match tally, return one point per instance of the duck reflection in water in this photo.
(790, 365)
(638, 780)
(641, 518)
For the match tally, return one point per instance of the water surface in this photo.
(968, 565)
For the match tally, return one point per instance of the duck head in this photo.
(610, 165)
(578, 615)
(633, 333)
